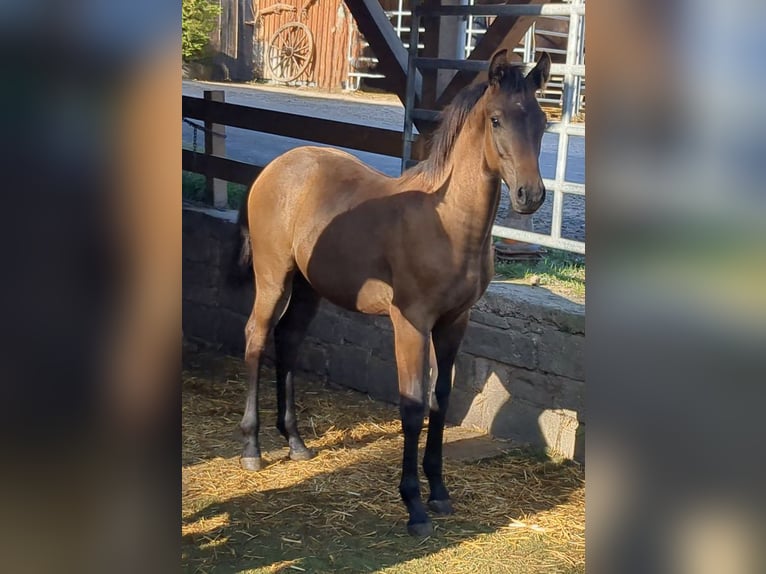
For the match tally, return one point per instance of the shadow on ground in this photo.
(340, 512)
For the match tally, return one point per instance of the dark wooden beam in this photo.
(430, 38)
(504, 32)
(387, 46)
(220, 167)
(340, 134)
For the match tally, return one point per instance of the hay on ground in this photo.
(341, 512)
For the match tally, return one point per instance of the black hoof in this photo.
(443, 507)
(420, 529)
(251, 463)
(304, 454)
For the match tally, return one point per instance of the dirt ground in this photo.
(516, 511)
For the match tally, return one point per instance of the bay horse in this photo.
(417, 248)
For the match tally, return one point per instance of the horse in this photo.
(319, 223)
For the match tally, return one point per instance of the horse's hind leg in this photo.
(288, 335)
(446, 342)
(270, 300)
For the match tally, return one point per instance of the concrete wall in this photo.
(520, 373)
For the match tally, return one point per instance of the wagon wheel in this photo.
(290, 51)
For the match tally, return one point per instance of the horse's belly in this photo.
(350, 274)
(370, 296)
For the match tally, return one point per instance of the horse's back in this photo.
(321, 180)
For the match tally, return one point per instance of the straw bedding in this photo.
(341, 512)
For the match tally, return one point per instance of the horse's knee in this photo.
(257, 331)
(255, 343)
(253, 354)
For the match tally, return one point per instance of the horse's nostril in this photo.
(520, 193)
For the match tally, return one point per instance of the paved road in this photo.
(379, 111)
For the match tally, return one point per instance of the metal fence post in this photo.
(215, 144)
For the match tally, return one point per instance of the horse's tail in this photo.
(241, 267)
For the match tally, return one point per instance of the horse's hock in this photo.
(519, 375)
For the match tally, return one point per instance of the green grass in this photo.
(193, 188)
(560, 271)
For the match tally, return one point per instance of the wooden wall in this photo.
(333, 29)
(241, 45)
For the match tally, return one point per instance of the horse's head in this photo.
(514, 129)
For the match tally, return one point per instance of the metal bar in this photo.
(469, 34)
(563, 147)
(529, 44)
(504, 10)
(409, 100)
(539, 239)
(579, 81)
(448, 64)
(571, 129)
(574, 69)
(385, 42)
(481, 66)
(501, 32)
(565, 187)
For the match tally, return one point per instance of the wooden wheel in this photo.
(290, 51)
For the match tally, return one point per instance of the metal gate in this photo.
(572, 72)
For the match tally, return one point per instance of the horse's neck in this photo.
(472, 191)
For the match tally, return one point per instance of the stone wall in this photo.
(520, 372)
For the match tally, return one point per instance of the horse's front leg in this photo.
(411, 344)
(446, 341)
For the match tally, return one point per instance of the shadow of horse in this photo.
(342, 520)
(340, 511)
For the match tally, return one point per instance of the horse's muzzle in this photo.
(528, 199)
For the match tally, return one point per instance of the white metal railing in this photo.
(475, 28)
(397, 21)
(572, 73)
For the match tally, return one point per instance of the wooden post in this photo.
(430, 50)
(451, 44)
(215, 144)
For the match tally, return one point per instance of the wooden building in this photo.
(305, 42)
(318, 43)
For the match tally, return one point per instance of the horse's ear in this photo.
(541, 73)
(496, 67)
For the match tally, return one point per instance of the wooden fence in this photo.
(216, 114)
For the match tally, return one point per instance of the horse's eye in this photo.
(495, 121)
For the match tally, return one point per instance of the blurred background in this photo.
(677, 306)
(90, 306)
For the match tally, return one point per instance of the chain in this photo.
(196, 127)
